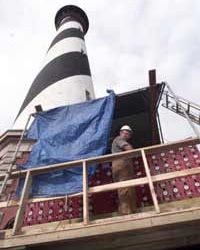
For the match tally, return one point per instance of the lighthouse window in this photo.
(88, 96)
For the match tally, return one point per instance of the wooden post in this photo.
(151, 186)
(22, 204)
(85, 194)
(155, 138)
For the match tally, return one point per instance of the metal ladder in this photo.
(182, 107)
(8, 173)
(192, 109)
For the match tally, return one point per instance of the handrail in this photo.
(176, 98)
(116, 185)
(102, 159)
(184, 101)
(107, 187)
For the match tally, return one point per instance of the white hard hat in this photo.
(126, 127)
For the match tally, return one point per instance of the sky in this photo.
(126, 38)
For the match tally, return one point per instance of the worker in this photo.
(122, 169)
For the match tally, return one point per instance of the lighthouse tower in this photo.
(65, 77)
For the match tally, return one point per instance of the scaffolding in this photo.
(37, 234)
(179, 104)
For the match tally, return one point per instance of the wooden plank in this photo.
(139, 240)
(144, 180)
(172, 145)
(173, 206)
(150, 182)
(176, 174)
(64, 225)
(12, 203)
(54, 198)
(114, 186)
(164, 207)
(120, 184)
(111, 157)
(46, 169)
(104, 158)
(22, 205)
(85, 195)
(62, 232)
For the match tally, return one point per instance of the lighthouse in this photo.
(65, 76)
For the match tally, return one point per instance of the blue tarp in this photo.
(65, 134)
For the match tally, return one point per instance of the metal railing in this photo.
(182, 109)
(148, 179)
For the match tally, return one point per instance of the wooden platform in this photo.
(166, 230)
(162, 226)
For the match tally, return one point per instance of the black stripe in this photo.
(66, 65)
(72, 32)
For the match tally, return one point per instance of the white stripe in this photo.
(68, 25)
(70, 44)
(64, 92)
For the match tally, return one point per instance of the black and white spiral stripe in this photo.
(65, 75)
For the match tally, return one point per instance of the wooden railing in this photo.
(149, 179)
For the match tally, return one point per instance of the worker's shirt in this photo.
(118, 144)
